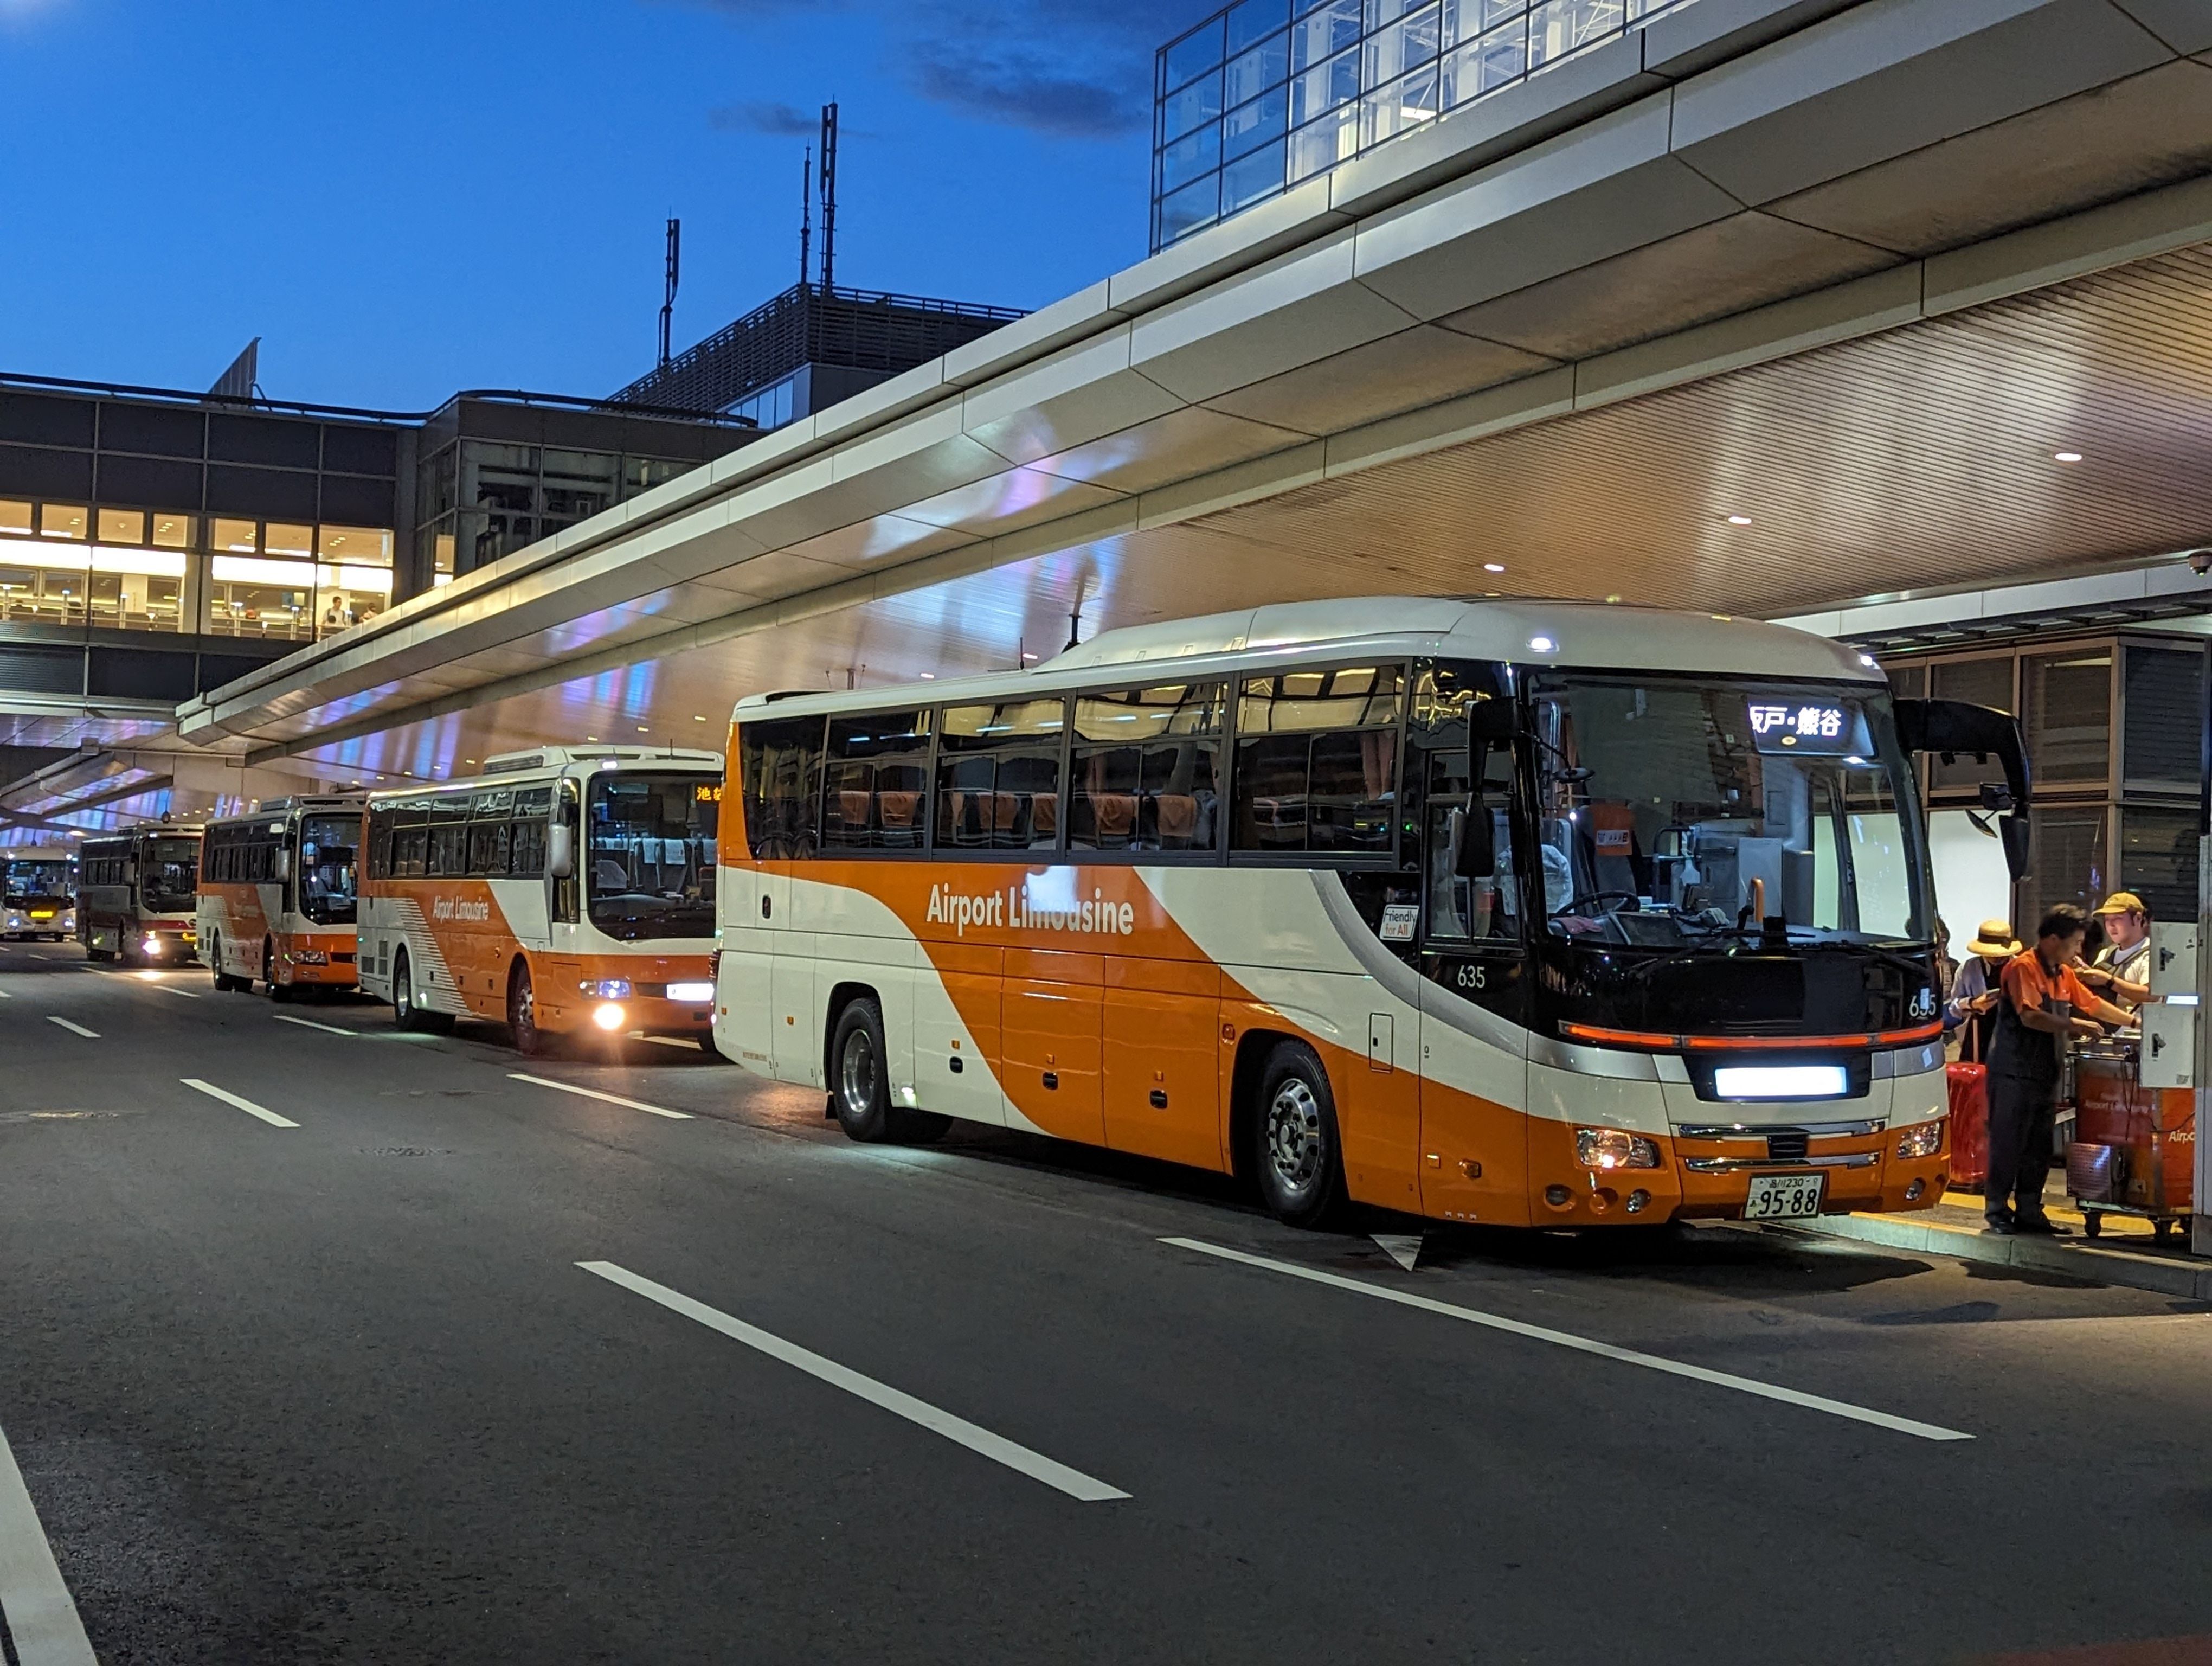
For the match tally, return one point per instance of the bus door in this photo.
(556, 991)
(1474, 965)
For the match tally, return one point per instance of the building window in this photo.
(15, 517)
(122, 526)
(70, 521)
(237, 536)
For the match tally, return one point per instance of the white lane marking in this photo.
(1584, 1345)
(42, 1618)
(74, 1029)
(1073, 1482)
(245, 1105)
(4, 995)
(593, 1093)
(309, 1023)
(171, 989)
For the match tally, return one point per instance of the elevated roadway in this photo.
(1765, 307)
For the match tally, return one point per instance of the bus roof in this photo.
(545, 763)
(1589, 636)
(305, 804)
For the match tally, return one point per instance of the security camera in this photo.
(2200, 560)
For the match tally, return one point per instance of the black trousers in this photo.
(2021, 1114)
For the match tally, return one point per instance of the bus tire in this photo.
(277, 991)
(859, 1086)
(1298, 1156)
(522, 1016)
(405, 1014)
(706, 1040)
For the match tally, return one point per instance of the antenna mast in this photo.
(829, 195)
(668, 300)
(805, 215)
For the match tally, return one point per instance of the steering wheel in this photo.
(1573, 903)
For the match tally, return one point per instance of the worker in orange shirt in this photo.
(2041, 1005)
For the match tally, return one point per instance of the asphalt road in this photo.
(348, 1390)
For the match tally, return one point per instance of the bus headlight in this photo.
(610, 1015)
(151, 945)
(1615, 1149)
(1923, 1141)
(691, 992)
(606, 988)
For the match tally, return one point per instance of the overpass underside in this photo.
(1765, 308)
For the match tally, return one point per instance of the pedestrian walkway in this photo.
(2125, 1253)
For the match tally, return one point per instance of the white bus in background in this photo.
(38, 892)
(137, 893)
(567, 893)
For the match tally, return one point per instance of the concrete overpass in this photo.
(1769, 306)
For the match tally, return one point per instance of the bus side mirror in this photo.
(281, 870)
(560, 851)
(1477, 847)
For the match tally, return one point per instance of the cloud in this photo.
(1024, 92)
(764, 116)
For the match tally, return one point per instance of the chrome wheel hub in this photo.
(856, 1074)
(1293, 1135)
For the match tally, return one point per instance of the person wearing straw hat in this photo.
(2121, 971)
(1974, 992)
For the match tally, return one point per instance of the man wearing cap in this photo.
(2121, 971)
(2042, 1004)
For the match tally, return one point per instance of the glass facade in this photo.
(478, 500)
(1267, 94)
(187, 573)
(2111, 725)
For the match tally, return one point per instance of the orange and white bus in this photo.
(1521, 913)
(567, 891)
(276, 898)
(136, 895)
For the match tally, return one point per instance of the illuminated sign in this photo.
(707, 793)
(1807, 726)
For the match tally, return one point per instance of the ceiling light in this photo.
(641, 729)
(695, 718)
(1541, 644)
(929, 677)
(591, 737)
(1028, 656)
(1493, 567)
(2065, 456)
(1739, 521)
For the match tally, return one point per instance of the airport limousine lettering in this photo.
(447, 908)
(1044, 901)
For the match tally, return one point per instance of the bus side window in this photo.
(1482, 906)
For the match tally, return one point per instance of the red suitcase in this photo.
(1970, 1124)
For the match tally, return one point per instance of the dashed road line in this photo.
(245, 1105)
(1086, 1489)
(1582, 1344)
(593, 1093)
(309, 1023)
(74, 1029)
(41, 1615)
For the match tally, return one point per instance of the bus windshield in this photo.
(169, 880)
(649, 855)
(1673, 811)
(328, 848)
(41, 881)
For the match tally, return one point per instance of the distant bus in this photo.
(1524, 913)
(565, 892)
(136, 892)
(37, 891)
(276, 898)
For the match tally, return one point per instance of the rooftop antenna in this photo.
(806, 216)
(829, 195)
(668, 300)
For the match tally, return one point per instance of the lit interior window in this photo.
(286, 538)
(173, 532)
(63, 520)
(122, 526)
(357, 545)
(237, 536)
(15, 517)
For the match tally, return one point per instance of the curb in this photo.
(2189, 1279)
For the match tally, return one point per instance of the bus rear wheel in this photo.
(1298, 1156)
(522, 1016)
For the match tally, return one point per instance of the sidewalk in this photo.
(2125, 1254)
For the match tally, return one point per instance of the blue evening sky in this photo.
(403, 198)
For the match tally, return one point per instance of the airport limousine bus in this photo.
(136, 892)
(1515, 913)
(277, 896)
(565, 892)
(38, 893)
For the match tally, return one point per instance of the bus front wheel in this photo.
(405, 1014)
(1298, 1159)
(277, 991)
(522, 1016)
